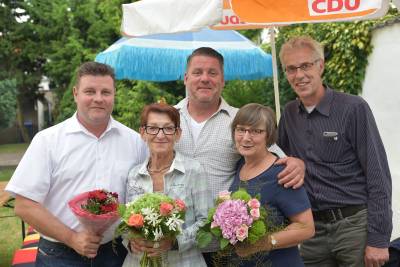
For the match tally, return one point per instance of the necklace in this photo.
(157, 170)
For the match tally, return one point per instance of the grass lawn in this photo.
(10, 236)
(10, 226)
(13, 148)
(6, 173)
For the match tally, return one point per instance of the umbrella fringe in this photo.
(130, 63)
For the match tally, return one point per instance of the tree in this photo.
(8, 103)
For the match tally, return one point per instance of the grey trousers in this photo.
(339, 244)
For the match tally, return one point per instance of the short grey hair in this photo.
(254, 114)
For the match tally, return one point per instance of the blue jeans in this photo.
(51, 254)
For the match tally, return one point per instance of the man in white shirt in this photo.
(205, 122)
(88, 151)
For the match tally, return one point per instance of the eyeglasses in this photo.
(154, 130)
(253, 132)
(304, 67)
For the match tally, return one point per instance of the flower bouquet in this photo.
(96, 210)
(152, 216)
(237, 217)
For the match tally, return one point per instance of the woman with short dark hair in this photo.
(253, 130)
(168, 172)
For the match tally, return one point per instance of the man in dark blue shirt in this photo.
(347, 175)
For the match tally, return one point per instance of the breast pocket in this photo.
(179, 190)
(332, 147)
(134, 190)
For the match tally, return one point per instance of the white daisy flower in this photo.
(174, 223)
(158, 234)
(151, 216)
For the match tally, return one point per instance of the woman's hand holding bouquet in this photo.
(153, 249)
(239, 223)
(152, 223)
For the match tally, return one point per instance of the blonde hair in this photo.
(301, 42)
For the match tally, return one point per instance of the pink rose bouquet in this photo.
(237, 217)
(152, 216)
(96, 210)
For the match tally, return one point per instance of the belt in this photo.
(334, 215)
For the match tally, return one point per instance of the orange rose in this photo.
(136, 220)
(165, 208)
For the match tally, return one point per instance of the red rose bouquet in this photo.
(96, 210)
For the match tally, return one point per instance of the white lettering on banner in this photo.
(331, 7)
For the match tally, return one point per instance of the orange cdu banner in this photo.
(231, 21)
(297, 11)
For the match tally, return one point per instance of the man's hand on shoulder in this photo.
(293, 174)
(375, 257)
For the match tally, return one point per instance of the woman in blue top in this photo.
(253, 130)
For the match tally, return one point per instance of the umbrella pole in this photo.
(275, 74)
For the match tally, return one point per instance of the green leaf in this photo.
(211, 214)
(223, 243)
(121, 209)
(203, 238)
(216, 231)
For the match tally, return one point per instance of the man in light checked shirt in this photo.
(205, 123)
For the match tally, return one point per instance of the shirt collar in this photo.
(223, 106)
(75, 126)
(324, 106)
(177, 164)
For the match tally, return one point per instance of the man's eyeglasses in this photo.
(154, 130)
(304, 67)
(253, 132)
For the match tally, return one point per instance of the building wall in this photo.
(382, 91)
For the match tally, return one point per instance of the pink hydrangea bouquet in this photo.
(237, 217)
(153, 216)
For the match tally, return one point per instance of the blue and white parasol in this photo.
(162, 57)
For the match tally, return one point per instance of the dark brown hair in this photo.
(162, 108)
(94, 69)
(206, 51)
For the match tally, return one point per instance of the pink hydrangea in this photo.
(230, 215)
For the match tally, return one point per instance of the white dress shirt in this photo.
(66, 160)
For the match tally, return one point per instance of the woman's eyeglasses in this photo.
(253, 132)
(154, 130)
